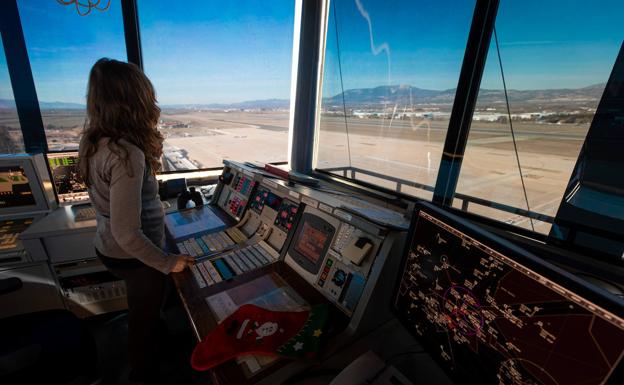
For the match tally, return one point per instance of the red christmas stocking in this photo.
(254, 330)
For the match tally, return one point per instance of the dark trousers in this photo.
(145, 288)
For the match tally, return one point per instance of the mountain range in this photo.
(402, 95)
(405, 95)
(9, 103)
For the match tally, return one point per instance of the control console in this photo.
(236, 187)
(333, 255)
(257, 240)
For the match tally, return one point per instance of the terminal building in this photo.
(409, 192)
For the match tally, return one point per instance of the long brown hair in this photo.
(121, 104)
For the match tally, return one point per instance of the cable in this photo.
(513, 135)
(344, 103)
(90, 5)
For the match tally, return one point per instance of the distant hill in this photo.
(403, 95)
(7, 103)
(10, 103)
(406, 95)
(61, 106)
(270, 104)
(400, 94)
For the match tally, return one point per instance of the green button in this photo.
(330, 262)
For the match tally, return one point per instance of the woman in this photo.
(119, 155)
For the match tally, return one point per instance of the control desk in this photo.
(289, 247)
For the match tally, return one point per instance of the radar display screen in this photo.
(312, 242)
(69, 186)
(488, 319)
(14, 188)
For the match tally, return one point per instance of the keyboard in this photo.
(233, 263)
(211, 243)
(84, 213)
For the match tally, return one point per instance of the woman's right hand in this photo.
(182, 261)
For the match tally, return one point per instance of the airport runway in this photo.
(406, 149)
(409, 150)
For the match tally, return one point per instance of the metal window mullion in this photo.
(308, 66)
(132, 32)
(22, 82)
(475, 56)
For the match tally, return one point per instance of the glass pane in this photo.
(389, 83)
(62, 46)
(555, 73)
(11, 140)
(222, 74)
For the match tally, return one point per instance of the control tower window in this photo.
(390, 74)
(222, 76)
(555, 74)
(62, 46)
(11, 140)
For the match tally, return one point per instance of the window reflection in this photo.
(11, 140)
(389, 82)
(62, 47)
(555, 74)
(222, 76)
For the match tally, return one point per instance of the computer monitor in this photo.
(311, 242)
(492, 313)
(25, 185)
(68, 184)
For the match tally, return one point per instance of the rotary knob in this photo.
(339, 277)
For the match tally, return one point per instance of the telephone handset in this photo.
(264, 231)
(357, 249)
(261, 234)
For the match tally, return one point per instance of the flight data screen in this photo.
(68, 183)
(312, 242)
(14, 188)
(490, 320)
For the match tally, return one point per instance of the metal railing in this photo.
(466, 200)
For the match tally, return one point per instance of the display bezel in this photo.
(317, 223)
(40, 186)
(58, 196)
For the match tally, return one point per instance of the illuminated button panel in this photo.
(236, 205)
(257, 203)
(243, 184)
(286, 215)
(341, 283)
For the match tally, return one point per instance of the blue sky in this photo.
(544, 44)
(209, 51)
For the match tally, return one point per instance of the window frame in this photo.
(22, 82)
(311, 23)
(471, 72)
